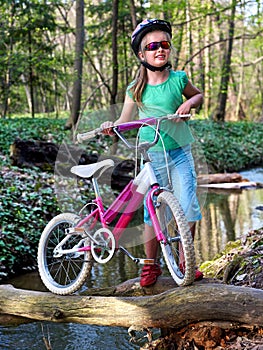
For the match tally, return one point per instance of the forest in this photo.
(66, 61)
(75, 56)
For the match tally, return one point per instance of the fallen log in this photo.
(226, 181)
(174, 308)
(49, 156)
(232, 185)
(219, 178)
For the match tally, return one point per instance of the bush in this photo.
(30, 129)
(27, 204)
(231, 146)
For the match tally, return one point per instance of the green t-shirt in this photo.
(160, 100)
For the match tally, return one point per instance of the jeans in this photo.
(183, 179)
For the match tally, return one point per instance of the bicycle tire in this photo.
(176, 230)
(66, 274)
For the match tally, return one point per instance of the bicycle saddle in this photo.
(90, 169)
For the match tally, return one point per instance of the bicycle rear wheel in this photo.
(178, 251)
(66, 273)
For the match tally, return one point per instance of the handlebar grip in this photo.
(88, 135)
(178, 116)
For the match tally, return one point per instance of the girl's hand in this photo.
(193, 97)
(185, 108)
(107, 128)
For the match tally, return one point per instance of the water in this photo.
(64, 337)
(227, 215)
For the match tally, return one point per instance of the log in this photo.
(231, 185)
(48, 156)
(219, 178)
(42, 154)
(174, 308)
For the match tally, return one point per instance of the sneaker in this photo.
(149, 275)
(198, 274)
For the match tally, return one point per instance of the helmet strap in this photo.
(154, 69)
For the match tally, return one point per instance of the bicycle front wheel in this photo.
(66, 273)
(178, 250)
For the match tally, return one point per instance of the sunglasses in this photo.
(166, 45)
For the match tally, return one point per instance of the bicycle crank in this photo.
(103, 245)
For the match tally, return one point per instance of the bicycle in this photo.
(71, 242)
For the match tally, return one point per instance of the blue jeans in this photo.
(183, 177)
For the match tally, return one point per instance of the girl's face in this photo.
(158, 57)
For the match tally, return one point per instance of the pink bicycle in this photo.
(70, 242)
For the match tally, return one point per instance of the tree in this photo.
(38, 50)
(78, 65)
(115, 5)
(219, 114)
(8, 69)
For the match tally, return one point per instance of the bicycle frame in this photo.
(132, 195)
(129, 199)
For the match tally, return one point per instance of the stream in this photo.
(227, 215)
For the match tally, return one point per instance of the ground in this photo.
(201, 336)
(241, 263)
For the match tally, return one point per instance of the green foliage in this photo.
(37, 45)
(44, 129)
(27, 203)
(230, 146)
(27, 198)
(29, 56)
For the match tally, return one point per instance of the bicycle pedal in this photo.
(75, 230)
(148, 261)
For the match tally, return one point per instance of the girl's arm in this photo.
(193, 97)
(128, 113)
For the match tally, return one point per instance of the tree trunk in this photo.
(8, 74)
(219, 114)
(31, 76)
(115, 68)
(239, 112)
(78, 65)
(189, 36)
(207, 63)
(172, 309)
(133, 14)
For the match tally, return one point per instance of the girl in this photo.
(157, 91)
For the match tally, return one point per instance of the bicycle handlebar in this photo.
(88, 135)
(136, 124)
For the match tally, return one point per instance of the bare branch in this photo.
(239, 37)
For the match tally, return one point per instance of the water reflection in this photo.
(227, 216)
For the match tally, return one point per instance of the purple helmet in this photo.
(146, 26)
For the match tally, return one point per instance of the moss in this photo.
(240, 263)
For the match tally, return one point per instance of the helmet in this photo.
(146, 26)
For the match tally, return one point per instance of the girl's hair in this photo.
(139, 85)
(141, 78)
